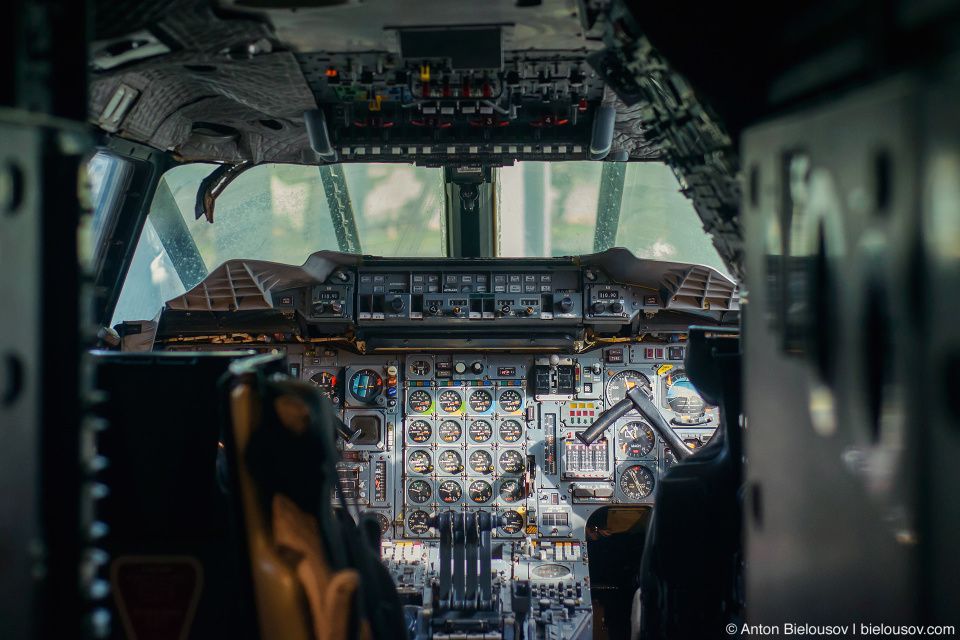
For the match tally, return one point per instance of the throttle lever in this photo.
(636, 399)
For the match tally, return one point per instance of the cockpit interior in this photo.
(515, 320)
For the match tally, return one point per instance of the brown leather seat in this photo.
(308, 579)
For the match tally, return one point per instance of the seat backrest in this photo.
(314, 575)
(697, 507)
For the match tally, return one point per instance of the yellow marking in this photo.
(662, 370)
(425, 73)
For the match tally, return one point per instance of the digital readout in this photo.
(608, 295)
(328, 295)
(506, 372)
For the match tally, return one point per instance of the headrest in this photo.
(704, 344)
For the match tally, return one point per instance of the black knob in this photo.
(456, 311)
(476, 368)
(433, 309)
(528, 311)
(616, 307)
(319, 307)
(599, 307)
(505, 310)
(336, 308)
(397, 305)
(566, 305)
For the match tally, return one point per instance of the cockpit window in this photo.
(283, 213)
(574, 208)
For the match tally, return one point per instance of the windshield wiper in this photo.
(341, 208)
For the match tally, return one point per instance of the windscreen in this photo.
(284, 213)
(575, 208)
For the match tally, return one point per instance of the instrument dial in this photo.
(420, 368)
(636, 439)
(636, 482)
(419, 401)
(366, 385)
(480, 491)
(480, 401)
(419, 461)
(510, 490)
(418, 522)
(450, 401)
(510, 431)
(327, 383)
(450, 431)
(450, 491)
(419, 491)
(480, 431)
(450, 461)
(511, 461)
(419, 430)
(481, 462)
(384, 523)
(511, 522)
(510, 401)
(619, 384)
(681, 397)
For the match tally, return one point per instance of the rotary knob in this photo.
(397, 305)
(599, 307)
(319, 307)
(476, 368)
(460, 367)
(616, 307)
(566, 305)
(336, 308)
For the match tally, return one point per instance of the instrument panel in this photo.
(496, 433)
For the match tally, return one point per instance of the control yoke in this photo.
(636, 399)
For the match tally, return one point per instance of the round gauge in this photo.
(327, 383)
(636, 439)
(419, 461)
(480, 491)
(450, 401)
(681, 397)
(511, 400)
(420, 367)
(550, 571)
(366, 385)
(419, 401)
(449, 491)
(418, 522)
(619, 384)
(419, 430)
(481, 462)
(480, 431)
(511, 461)
(480, 401)
(450, 461)
(669, 457)
(510, 431)
(636, 482)
(511, 522)
(384, 523)
(510, 490)
(450, 431)
(419, 491)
